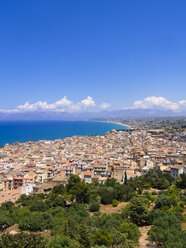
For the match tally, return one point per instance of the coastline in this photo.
(119, 123)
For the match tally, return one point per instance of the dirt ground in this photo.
(183, 225)
(143, 241)
(12, 229)
(109, 209)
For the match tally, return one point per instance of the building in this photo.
(88, 177)
(118, 174)
(100, 169)
(26, 189)
(18, 181)
(9, 195)
(8, 183)
(176, 170)
(69, 170)
(40, 176)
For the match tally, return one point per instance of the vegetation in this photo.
(115, 203)
(22, 240)
(94, 206)
(65, 213)
(166, 230)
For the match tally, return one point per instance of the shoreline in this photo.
(119, 123)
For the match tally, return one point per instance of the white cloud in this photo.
(88, 102)
(182, 105)
(159, 103)
(66, 105)
(62, 105)
(63, 102)
(104, 105)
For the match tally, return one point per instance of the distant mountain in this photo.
(115, 114)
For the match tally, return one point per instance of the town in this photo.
(36, 167)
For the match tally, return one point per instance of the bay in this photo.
(23, 131)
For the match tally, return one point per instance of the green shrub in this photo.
(138, 211)
(115, 203)
(147, 186)
(107, 194)
(39, 206)
(154, 193)
(33, 222)
(59, 202)
(102, 237)
(23, 240)
(60, 189)
(97, 214)
(63, 241)
(131, 230)
(94, 206)
(164, 201)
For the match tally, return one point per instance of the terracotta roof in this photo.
(62, 162)
(29, 176)
(177, 166)
(88, 173)
(167, 169)
(15, 155)
(58, 179)
(97, 164)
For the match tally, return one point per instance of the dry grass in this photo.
(12, 229)
(183, 226)
(109, 209)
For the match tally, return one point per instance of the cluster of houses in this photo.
(35, 167)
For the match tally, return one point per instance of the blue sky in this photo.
(116, 52)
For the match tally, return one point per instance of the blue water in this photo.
(22, 131)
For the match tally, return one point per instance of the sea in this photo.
(23, 131)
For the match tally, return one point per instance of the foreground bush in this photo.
(63, 241)
(102, 237)
(23, 240)
(94, 206)
(131, 230)
(115, 203)
(166, 230)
